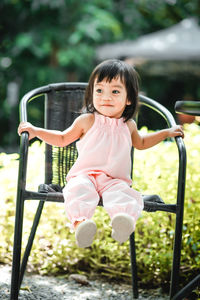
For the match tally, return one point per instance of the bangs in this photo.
(109, 72)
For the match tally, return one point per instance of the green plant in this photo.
(155, 231)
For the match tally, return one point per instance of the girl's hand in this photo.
(176, 131)
(27, 127)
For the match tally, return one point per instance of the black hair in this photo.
(112, 69)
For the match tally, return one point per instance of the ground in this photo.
(36, 287)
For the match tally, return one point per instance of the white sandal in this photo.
(123, 225)
(85, 233)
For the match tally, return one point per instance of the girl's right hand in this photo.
(27, 127)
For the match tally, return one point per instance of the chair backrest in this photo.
(62, 107)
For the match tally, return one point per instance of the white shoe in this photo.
(123, 226)
(85, 233)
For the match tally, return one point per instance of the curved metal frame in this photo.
(18, 268)
(180, 193)
(189, 108)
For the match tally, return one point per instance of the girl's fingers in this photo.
(180, 131)
(22, 127)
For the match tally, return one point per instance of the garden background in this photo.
(55, 41)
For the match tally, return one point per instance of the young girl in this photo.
(106, 132)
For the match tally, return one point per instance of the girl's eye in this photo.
(115, 92)
(99, 91)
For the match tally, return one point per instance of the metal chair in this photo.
(63, 102)
(190, 108)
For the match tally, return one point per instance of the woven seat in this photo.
(63, 103)
(151, 202)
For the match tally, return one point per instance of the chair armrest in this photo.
(23, 158)
(188, 107)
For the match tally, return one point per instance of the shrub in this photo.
(155, 231)
(55, 251)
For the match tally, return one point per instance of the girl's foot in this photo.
(85, 232)
(123, 226)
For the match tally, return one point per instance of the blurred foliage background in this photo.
(45, 41)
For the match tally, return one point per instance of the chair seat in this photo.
(152, 203)
(46, 188)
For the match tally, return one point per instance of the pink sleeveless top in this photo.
(106, 147)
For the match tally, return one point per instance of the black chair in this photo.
(63, 102)
(190, 108)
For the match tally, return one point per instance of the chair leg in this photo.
(30, 240)
(133, 266)
(17, 272)
(188, 288)
(17, 247)
(179, 224)
(176, 254)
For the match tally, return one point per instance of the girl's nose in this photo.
(106, 96)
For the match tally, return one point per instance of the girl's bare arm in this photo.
(149, 140)
(56, 137)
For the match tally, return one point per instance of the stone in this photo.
(82, 279)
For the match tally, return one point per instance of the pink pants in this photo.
(82, 195)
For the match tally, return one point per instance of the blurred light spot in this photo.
(6, 62)
(171, 1)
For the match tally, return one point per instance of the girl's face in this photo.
(110, 98)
